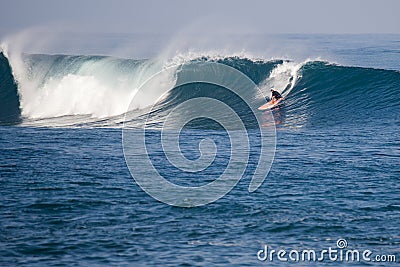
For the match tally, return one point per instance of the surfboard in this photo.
(270, 105)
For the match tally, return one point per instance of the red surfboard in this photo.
(271, 104)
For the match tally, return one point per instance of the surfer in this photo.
(275, 95)
(275, 99)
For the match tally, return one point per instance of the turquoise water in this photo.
(67, 196)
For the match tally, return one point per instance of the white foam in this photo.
(283, 78)
(100, 88)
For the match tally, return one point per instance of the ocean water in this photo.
(67, 196)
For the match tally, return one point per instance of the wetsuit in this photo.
(276, 95)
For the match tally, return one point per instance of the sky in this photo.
(192, 17)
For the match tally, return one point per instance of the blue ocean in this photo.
(72, 195)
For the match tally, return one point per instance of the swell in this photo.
(10, 112)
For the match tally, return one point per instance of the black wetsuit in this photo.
(276, 95)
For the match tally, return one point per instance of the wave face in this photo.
(10, 112)
(329, 94)
(60, 90)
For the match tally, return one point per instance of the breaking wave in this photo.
(96, 91)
